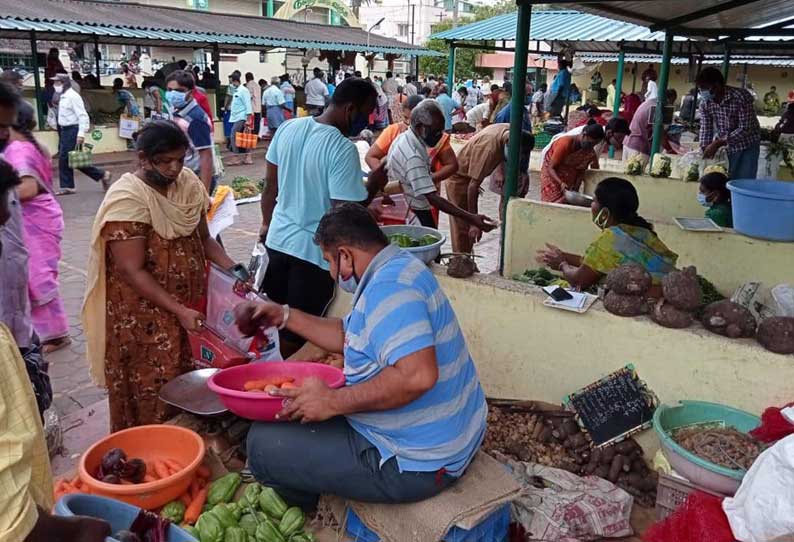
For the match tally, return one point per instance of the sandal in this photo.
(106, 181)
(54, 345)
(66, 192)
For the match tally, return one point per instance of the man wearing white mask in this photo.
(73, 124)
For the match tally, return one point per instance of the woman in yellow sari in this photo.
(625, 237)
(149, 249)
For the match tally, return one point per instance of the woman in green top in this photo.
(625, 237)
(715, 195)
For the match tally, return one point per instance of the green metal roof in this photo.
(129, 23)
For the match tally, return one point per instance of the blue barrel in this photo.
(763, 209)
(119, 514)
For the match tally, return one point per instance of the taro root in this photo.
(682, 289)
(461, 267)
(126, 536)
(134, 470)
(629, 279)
(729, 319)
(776, 334)
(111, 479)
(667, 315)
(625, 305)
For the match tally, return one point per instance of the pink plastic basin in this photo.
(228, 384)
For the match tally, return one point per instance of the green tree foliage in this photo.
(465, 59)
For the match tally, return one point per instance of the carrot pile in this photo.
(65, 486)
(272, 383)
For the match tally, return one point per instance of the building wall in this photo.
(398, 17)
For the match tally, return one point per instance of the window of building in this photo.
(276, 6)
(200, 5)
(403, 29)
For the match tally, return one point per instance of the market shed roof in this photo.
(130, 23)
(593, 58)
(600, 29)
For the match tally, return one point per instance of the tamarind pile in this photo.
(724, 446)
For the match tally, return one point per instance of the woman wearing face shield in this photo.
(625, 237)
(566, 161)
(149, 249)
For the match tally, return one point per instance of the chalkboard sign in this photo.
(616, 406)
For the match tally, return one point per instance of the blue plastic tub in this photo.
(119, 514)
(763, 209)
(494, 528)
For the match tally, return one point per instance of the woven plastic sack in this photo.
(245, 139)
(699, 519)
(773, 425)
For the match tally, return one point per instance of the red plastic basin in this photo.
(228, 384)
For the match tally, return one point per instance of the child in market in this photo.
(714, 195)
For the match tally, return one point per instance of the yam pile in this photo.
(553, 438)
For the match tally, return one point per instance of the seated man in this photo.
(412, 414)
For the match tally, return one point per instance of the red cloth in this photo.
(630, 105)
(204, 103)
(773, 425)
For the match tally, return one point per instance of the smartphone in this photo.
(557, 293)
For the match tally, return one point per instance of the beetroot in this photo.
(682, 289)
(776, 334)
(667, 315)
(729, 319)
(625, 305)
(629, 279)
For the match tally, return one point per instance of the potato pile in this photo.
(553, 438)
(627, 286)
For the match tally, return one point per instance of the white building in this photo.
(411, 20)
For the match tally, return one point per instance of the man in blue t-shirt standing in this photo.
(192, 119)
(412, 414)
(312, 165)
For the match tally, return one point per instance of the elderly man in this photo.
(728, 119)
(412, 414)
(641, 137)
(482, 155)
(409, 163)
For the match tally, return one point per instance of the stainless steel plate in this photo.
(190, 393)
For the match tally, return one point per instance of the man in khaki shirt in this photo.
(256, 99)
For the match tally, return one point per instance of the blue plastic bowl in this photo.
(119, 514)
(763, 209)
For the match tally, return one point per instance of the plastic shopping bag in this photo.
(258, 264)
(761, 509)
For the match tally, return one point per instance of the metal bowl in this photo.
(427, 253)
(578, 199)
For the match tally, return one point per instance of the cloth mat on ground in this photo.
(485, 486)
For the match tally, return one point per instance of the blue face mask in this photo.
(703, 200)
(359, 122)
(350, 284)
(176, 98)
(706, 95)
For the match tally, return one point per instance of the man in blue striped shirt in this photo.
(412, 414)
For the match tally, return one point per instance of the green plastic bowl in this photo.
(695, 469)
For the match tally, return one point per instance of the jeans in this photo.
(67, 141)
(301, 461)
(744, 164)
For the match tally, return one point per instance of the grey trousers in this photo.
(301, 461)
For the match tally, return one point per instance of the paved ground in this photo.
(80, 403)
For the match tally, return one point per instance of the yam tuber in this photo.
(625, 305)
(615, 468)
(667, 315)
(629, 279)
(729, 319)
(776, 334)
(682, 289)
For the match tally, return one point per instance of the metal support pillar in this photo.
(661, 101)
(726, 63)
(97, 58)
(41, 118)
(269, 8)
(451, 68)
(516, 115)
(618, 91)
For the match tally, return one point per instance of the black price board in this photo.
(616, 406)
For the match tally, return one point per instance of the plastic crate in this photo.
(672, 492)
(494, 528)
(542, 139)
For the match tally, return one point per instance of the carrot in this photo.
(59, 485)
(281, 380)
(193, 511)
(151, 471)
(185, 498)
(203, 472)
(195, 487)
(126, 483)
(160, 468)
(289, 386)
(256, 384)
(173, 465)
(149, 478)
(270, 387)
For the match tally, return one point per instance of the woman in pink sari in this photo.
(43, 229)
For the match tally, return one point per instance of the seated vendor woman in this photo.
(412, 414)
(625, 238)
(715, 196)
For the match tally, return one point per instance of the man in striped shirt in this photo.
(412, 414)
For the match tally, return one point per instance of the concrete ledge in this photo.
(727, 259)
(525, 350)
